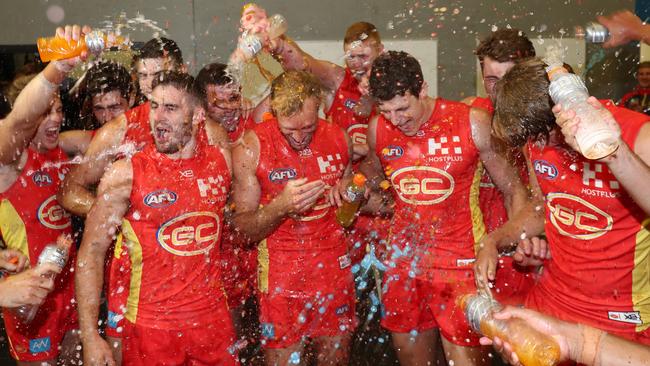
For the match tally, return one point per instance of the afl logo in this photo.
(576, 218)
(392, 152)
(160, 198)
(190, 234)
(422, 185)
(282, 175)
(42, 179)
(545, 169)
(52, 215)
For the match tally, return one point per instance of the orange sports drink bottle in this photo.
(347, 212)
(57, 48)
(532, 347)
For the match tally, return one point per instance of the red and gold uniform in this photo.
(176, 308)
(599, 239)
(30, 219)
(305, 284)
(436, 222)
(138, 135)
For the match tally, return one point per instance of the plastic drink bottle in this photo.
(595, 138)
(593, 32)
(52, 253)
(57, 48)
(355, 190)
(532, 347)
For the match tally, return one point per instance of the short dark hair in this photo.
(211, 74)
(160, 48)
(108, 76)
(505, 45)
(643, 65)
(360, 31)
(178, 80)
(394, 73)
(523, 104)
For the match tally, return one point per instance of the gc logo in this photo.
(576, 218)
(52, 215)
(422, 185)
(190, 234)
(357, 133)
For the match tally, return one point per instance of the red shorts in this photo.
(117, 290)
(305, 294)
(597, 316)
(512, 282)
(416, 305)
(210, 345)
(40, 340)
(239, 274)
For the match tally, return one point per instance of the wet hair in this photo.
(179, 80)
(290, 90)
(103, 77)
(360, 31)
(505, 45)
(394, 73)
(211, 74)
(108, 76)
(523, 105)
(160, 48)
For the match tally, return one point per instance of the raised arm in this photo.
(76, 192)
(292, 57)
(102, 224)
(251, 221)
(23, 120)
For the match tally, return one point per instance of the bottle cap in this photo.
(359, 179)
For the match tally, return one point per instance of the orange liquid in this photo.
(56, 48)
(532, 347)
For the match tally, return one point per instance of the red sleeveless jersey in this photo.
(138, 129)
(433, 176)
(30, 216)
(173, 233)
(325, 158)
(342, 110)
(598, 236)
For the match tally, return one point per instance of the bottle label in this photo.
(352, 195)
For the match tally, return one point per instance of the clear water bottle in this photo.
(595, 138)
(532, 347)
(54, 254)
